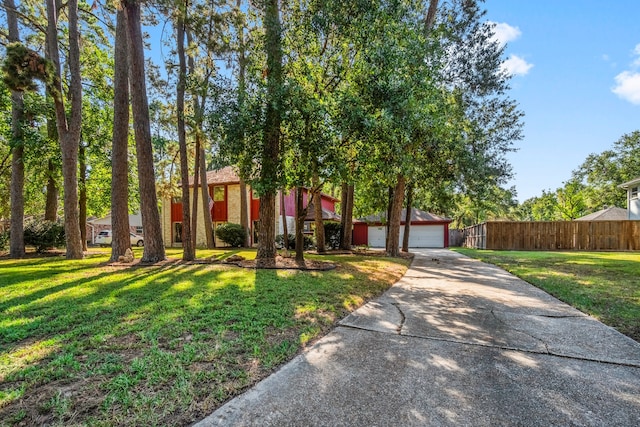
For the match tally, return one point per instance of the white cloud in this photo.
(504, 33)
(628, 86)
(636, 51)
(516, 66)
(628, 82)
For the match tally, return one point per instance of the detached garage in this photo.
(427, 230)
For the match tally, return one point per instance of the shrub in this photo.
(232, 234)
(43, 234)
(308, 241)
(332, 234)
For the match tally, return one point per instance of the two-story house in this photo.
(633, 199)
(224, 206)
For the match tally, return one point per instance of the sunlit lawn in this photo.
(605, 285)
(82, 342)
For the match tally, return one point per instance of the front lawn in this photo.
(85, 343)
(605, 285)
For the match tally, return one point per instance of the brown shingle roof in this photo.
(417, 216)
(226, 175)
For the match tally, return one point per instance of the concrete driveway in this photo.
(455, 342)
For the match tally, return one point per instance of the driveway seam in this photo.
(497, 347)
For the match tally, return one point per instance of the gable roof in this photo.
(417, 217)
(608, 214)
(226, 175)
(327, 215)
(628, 184)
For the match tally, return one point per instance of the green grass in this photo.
(605, 285)
(82, 342)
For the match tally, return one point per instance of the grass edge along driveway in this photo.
(605, 285)
(82, 343)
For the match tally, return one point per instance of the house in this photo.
(427, 230)
(607, 214)
(633, 202)
(96, 225)
(224, 206)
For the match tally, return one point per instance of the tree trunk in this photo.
(242, 62)
(244, 212)
(285, 229)
(430, 19)
(393, 245)
(51, 205)
(270, 156)
(68, 129)
(153, 244)
(301, 213)
(16, 245)
(407, 218)
(389, 205)
(204, 187)
(317, 209)
(83, 195)
(120, 241)
(343, 208)
(188, 251)
(266, 255)
(347, 218)
(196, 187)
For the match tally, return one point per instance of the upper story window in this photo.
(634, 192)
(218, 194)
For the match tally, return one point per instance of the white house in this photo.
(633, 201)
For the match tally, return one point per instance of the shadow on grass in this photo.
(181, 337)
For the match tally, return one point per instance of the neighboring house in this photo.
(633, 200)
(607, 214)
(224, 206)
(96, 225)
(427, 230)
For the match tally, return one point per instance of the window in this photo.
(309, 227)
(634, 192)
(218, 194)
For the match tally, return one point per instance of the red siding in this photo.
(176, 212)
(328, 204)
(255, 208)
(360, 234)
(290, 202)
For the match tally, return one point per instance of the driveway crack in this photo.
(403, 318)
(546, 347)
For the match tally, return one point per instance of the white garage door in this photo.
(376, 236)
(420, 236)
(425, 236)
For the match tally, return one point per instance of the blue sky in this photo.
(576, 67)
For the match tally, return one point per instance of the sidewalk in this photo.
(455, 342)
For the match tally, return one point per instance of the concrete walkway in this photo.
(455, 342)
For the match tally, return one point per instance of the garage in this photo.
(427, 230)
(425, 236)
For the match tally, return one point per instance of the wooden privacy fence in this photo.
(555, 235)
